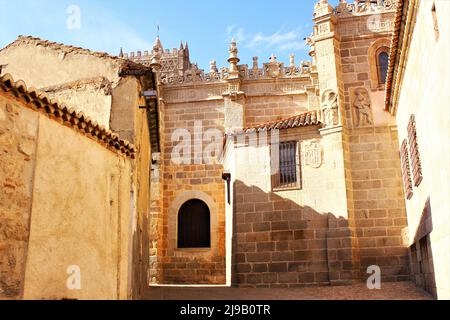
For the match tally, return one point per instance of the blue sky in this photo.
(261, 27)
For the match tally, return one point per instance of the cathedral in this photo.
(256, 174)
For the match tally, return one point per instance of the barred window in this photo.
(288, 175)
(414, 153)
(407, 183)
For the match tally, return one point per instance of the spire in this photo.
(121, 53)
(157, 46)
(181, 46)
(186, 46)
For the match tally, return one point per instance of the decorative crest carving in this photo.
(313, 154)
(273, 69)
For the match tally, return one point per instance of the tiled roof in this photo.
(126, 65)
(302, 120)
(69, 117)
(394, 54)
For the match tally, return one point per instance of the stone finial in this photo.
(157, 45)
(233, 71)
(213, 67)
(292, 60)
(156, 55)
(255, 63)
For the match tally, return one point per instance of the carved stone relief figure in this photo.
(330, 109)
(362, 108)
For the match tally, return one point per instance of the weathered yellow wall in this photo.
(77, 193)
(80, 216)
(425, 93)
(43, 67)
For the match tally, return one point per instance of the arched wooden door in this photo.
(194, 225)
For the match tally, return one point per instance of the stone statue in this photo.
(213, 67)
(362, 107)
(330, 109)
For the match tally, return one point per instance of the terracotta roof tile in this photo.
(68, 116)
(305, 119)
(394, 54)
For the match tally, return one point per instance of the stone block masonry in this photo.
(281, 244)
(18, 128)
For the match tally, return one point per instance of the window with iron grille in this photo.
(407, 183)
(288, 175)
(414, 153)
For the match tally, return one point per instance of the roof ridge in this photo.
(58, 46)
(78, 121)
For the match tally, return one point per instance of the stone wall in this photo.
(295, 237)
(86, 222)
(58, 212)
(18, 135)
(92, 83)
(376, 202)
(379, 208)
(183, 182)
(424, 93)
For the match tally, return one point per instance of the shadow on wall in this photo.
(421, 255)
(278, 243)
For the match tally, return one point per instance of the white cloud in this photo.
(237, 33)
(293, 46)
(282, 41)
(272, 40)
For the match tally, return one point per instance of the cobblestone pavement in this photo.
(389, 291)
